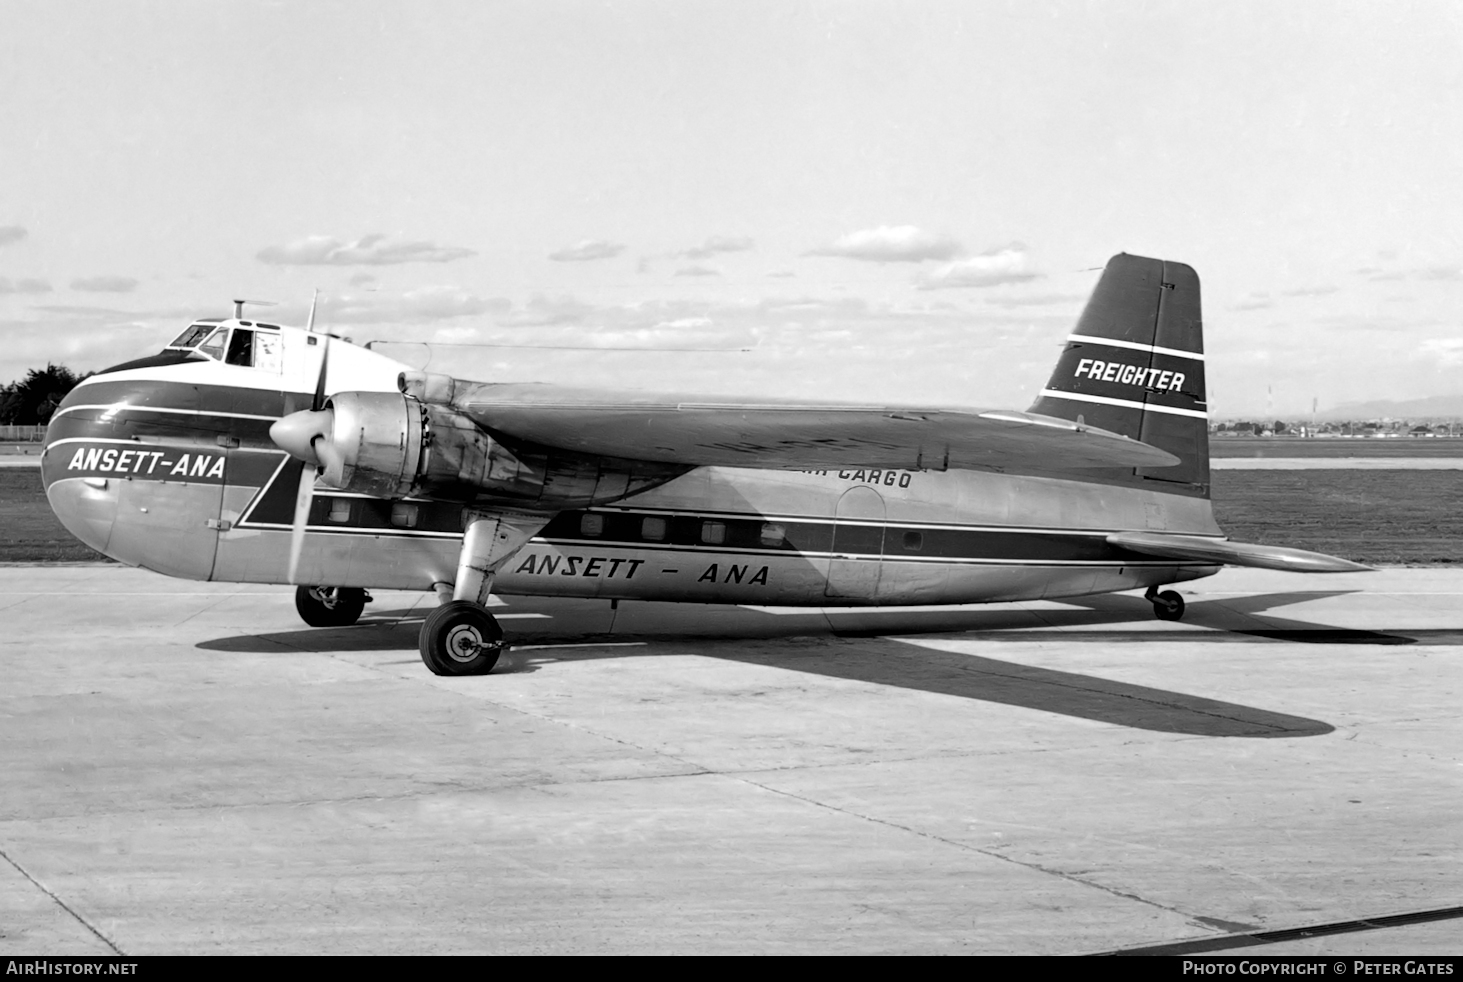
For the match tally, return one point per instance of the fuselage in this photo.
(168, 464)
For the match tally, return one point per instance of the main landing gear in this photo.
(1167, 606)
(461, 637)
(330, 606)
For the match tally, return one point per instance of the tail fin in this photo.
(1135, 365)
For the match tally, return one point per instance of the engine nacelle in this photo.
(390, 445)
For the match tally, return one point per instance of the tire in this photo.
(321, 606)
(1168, 606)
(460, 638)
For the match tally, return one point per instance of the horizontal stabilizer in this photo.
(1206, 550)
(791, 435)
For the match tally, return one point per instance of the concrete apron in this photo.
(189, 769)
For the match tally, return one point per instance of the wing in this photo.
(1206, 550)
(790, 435)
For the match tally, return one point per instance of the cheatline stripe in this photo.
(120, 407)
(1125, 403)
(1156, 349)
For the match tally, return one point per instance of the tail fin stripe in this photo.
(1127, 403)
(1155, 349)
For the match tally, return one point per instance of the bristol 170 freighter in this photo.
(250, 452)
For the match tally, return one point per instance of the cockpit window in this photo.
(241, 348)
(214, 346)
(191, 337)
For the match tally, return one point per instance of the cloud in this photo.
(697, 271)
(11, 233)
(1447, 351)
(586, 250)
(371, 250)
(1311, 291)
(718, 244)
(1008, 264)
(361, 279)
(683, 323)
(427, 303)
(890, 244)
(24, 286)
(105, 284)
(781, 274)
(1038, 300)
(1440, 273)
(547, 312)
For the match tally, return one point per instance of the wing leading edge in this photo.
(790, 435)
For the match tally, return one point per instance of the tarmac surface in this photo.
(189, 769)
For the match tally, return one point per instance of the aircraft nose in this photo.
(296, 433)
(88, 509)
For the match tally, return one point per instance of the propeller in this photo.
(306, 436)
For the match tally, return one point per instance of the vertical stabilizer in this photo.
(1135, 365)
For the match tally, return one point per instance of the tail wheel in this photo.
(330, 606)
(460, 638)
(1168, 606)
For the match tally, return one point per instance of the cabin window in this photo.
(340, 509)
(404, 515)
(653, 529)
(241, 348)
(773, 535)
(592, 524)
(914, 541)
(267, 351)
(713, 533)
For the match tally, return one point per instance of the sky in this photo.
(848, 201)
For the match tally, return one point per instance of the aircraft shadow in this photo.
(864, 650)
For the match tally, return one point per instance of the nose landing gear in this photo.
(330, 606)
(1167, 606)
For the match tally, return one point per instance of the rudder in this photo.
(1135, 365)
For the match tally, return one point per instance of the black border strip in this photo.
(1292, 934)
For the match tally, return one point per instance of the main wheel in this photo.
(460, 638)
(1168, 606)
(327, 606)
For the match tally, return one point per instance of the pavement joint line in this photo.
(1037, 867)
(438, 788)
(1254, 938)
(202, 610)
(61, 903)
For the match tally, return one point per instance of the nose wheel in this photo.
(460, 638)
(330, 606)
(1167, 606)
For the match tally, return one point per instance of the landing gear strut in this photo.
(330, 606)
(461, 637)
(1167, 606)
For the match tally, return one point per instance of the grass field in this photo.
(1407, 517)
(29, 532)
(1244, 446)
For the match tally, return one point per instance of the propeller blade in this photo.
(319, 401)
(303, 497)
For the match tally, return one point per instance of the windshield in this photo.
(191, 337)
(214, 346)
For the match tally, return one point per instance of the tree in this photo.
(33, 399)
